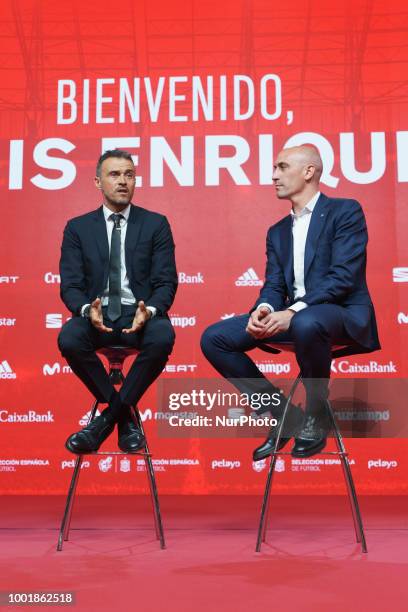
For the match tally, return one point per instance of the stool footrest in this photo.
(337, 453)
(116, 376)
(142, 453)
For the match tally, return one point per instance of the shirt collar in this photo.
(107, 213)
(308, 209)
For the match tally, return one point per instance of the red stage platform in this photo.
(113, 562)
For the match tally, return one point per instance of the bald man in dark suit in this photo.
(315, 296)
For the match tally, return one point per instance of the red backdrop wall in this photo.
(306, 72)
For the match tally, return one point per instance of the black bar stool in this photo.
(116, 356)
(337, 351)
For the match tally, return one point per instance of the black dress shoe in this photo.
(89, 439)
(130, 438)
(292, 422)
(312, 438)
(268, 447)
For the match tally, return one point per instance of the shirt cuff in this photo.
(271, 308)
(83, 308)
(298, 306)
(153, 310)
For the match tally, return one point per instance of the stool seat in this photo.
(338, 350)
(116, 356)
(117, 353)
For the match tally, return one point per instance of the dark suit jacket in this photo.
(335, 266)
(149, 253)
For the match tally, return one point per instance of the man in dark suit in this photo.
(118, 278)
(314, 296)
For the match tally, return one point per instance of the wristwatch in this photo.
(86, 311)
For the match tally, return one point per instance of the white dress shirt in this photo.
(127, 296)
(300, 227)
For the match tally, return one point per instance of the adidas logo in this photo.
(6, 371)
(248, 279)
(84, 419)
(402, 318)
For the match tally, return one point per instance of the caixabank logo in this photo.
(345, 366)
(190, 279)
(31, 416)
(6, 371)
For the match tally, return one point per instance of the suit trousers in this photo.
(79, 339)
(312, 331)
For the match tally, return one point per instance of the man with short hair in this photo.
(118, 278)
(314, 296)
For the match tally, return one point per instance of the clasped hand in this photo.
(141, 316)
(263, 323)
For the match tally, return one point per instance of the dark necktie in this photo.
(114, 305)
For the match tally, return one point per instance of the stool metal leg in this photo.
(116, 376)
(265, 505)
(66, 520)
(151, 478)
(64, 530)
(266, 498)
(351, 490)
(153, 487)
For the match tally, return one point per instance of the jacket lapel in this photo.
(317, 222)
(132, 234)
(101, 238)
(286, 242)
(101, 235)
